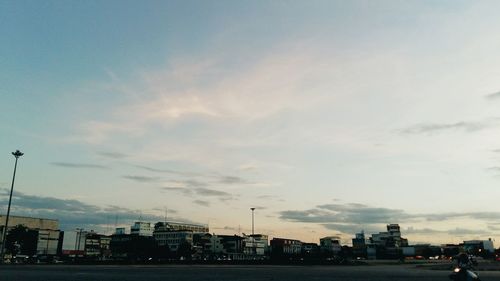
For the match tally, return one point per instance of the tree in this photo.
(21, 241)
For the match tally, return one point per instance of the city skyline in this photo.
(328, 117)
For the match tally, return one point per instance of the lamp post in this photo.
(253, 209)
(254, 251)
(16, 154)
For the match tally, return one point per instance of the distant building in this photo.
(174, 234)
(359, 245)
(97, 246)
(141, 229)
(310, 249)
(255, 245)
(49, 236)
(387, 244)
(479, 247)
(179, 226)
(132, 247)
(285, 247)
(120, 230)
(213, 246)
(330, 245)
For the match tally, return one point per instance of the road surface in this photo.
(224, 273)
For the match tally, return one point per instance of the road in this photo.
(224, 273)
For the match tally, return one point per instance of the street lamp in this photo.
(16, 154)
(253, 209)
(254, 251)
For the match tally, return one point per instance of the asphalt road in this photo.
(223, 273)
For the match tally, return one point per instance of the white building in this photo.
(141, 229)
(173, 239)
(255, 244)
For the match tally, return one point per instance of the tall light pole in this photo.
(253, 232)
(16, 154)
(253, 209)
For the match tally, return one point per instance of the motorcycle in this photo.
(464, 274)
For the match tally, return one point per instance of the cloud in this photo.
(494, 169)
(212, 192)
(202, 203)
(467, 126)
(202, 192)
(143, 179)
(231, 180)
(346, 213)
(168, 171)
(112, 155)
(353, 217)
(78, 165)
(467, 232)
(183, 190)
(493, 96)
(72, 213)
(208, 179)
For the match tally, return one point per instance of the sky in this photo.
(328, 117)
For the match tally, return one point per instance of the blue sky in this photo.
(319, 113)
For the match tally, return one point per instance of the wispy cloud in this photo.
(495, 95)
(202, 192)
(466, 126)
(144, 179)
(79, 165)
(202, 203)
(212, 192)
(112, 155)
(168, 171)
(231, 180)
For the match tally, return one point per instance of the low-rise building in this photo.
(49, 238)
(330, 245)
(142, 229)
(285, 247)
(255, 245)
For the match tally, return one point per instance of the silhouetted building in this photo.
(330, 245)
(132, 247)
(283, 247)
(359, 245)
(97, 246)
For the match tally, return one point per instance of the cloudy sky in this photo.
(329, 117)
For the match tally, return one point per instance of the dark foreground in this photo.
(221, 273)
